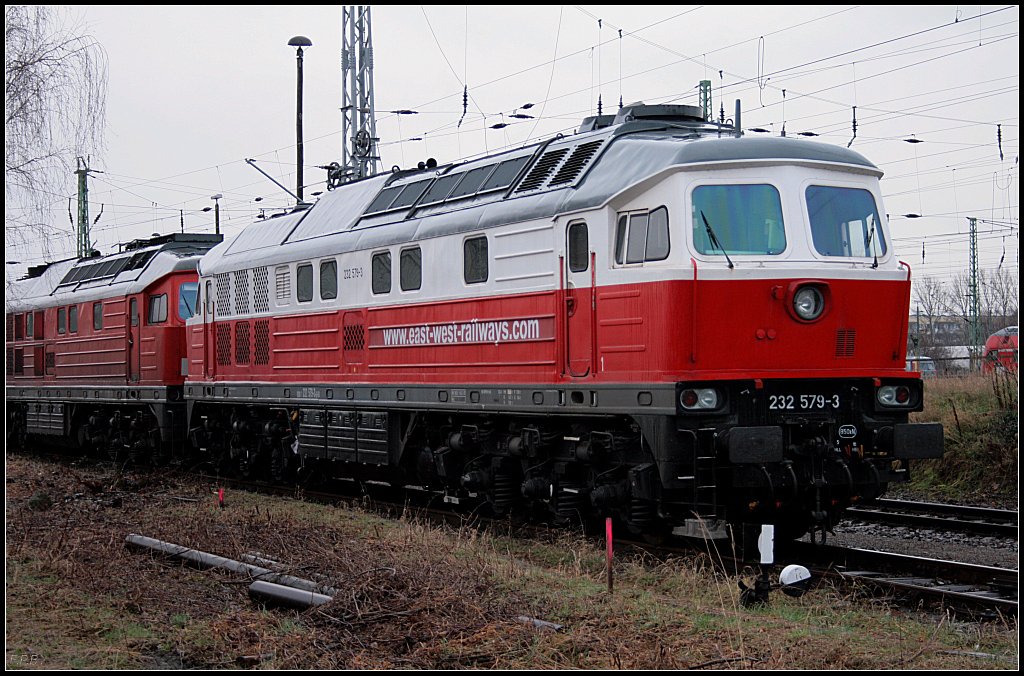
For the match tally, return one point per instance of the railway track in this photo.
(983, 591)
(942, 517)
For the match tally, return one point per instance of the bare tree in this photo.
(1000, 297)
(930, 299)
(55, 77)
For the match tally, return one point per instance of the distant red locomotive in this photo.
(95, 348)
(654, 318)
(1001, 351)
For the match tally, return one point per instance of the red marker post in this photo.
(608, 548)
(220, 497)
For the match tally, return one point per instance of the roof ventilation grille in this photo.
(576, 163)
(540, 171)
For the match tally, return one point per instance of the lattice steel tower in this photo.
(359, 157)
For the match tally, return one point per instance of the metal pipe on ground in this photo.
(268, 592)
(207, 560)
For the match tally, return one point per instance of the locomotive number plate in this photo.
(803, 402)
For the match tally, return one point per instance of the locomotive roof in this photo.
(80, 280)
(559, 176)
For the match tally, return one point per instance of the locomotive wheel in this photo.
(280, 467)
(16, 436)
(116, 450)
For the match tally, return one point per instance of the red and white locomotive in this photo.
(654, 318)
(96, 352)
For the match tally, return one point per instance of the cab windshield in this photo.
(844, 222)
(738, 219)
(187, 294)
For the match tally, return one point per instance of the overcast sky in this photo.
(193, 91)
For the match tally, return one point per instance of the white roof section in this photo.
(52, 287)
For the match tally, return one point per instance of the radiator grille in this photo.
(260, 290)
(242, 343)
(261, 353)
(845, 342)
(241, 280)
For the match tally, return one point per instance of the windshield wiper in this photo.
(870, 246)
(714, 239)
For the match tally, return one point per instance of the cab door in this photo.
(580, 300)
(209, 330)
(134, 343)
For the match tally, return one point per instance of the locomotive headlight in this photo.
(808, 303)
(894, 395)
(699, 399)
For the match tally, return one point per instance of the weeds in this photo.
(414, 596)
(980, 417)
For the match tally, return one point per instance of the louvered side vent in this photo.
(241, 283)
(845, 342)
(242, 343)
(261, 351)
(283, 278)
(223, 345)
(223, 296)
(576, 163)
(540, 171)
(260, 290)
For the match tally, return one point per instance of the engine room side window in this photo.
(380, 272)
(73, 319)
(741, 219)
(410, 274)
(328, 280)
(97, 316)
(844, 222)
(30, 326)
(304, 282)
(642, 236)
(474, 268)
(62, 319)
(158, 309)
(579, 247)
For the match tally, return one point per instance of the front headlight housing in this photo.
(699, 399)
(895, 396)
(808, 303)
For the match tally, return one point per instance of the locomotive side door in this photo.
(209, 330)
(579, 300)
(134, 343)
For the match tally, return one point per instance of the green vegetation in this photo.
(979, 414)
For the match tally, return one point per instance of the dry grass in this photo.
(412, 595)
(980, 416)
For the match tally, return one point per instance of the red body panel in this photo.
(652, 332)
(118, 354)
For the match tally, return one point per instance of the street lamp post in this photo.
(299, 41)
(216, 211)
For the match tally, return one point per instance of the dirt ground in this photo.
(411, 595)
